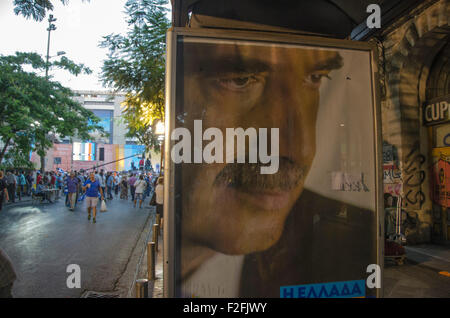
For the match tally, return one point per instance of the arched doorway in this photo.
(438, 102)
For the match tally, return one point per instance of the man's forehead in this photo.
(211, 56)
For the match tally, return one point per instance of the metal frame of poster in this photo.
(227, 228)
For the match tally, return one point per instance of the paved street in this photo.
(414, 281)
(43, 240)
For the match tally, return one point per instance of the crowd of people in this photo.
(136, 185)
(94, 185)
(77, 186)
(14, 185)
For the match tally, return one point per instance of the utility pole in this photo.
(51, 27)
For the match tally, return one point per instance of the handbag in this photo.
(103, 206)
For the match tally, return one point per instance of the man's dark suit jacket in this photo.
(324, 241)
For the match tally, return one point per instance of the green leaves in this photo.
(35, 110)
(35, 9)
(136, 65)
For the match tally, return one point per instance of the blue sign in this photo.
(350, 289)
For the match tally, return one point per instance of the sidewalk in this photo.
(155, 287)
(435, 257)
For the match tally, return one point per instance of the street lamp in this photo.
(51, 27)
(58, 54)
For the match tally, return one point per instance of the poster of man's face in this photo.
(275, 166)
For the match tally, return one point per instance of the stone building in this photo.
(415, 82)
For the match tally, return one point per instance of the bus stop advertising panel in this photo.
(272, 181)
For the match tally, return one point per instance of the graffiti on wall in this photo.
(414, 177)
(392, 176)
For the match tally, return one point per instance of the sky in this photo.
(80, 28)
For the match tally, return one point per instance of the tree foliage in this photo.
(34, 108)
(35, 9)
(136, 65)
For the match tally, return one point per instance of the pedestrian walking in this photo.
(72, 190)
(92, 188)
(148, 186)
(59, 183)
(140, 187)
(159, 191)
(131, 182)
(30, 180)
(102, 181)
(109, 185)
(124, 188)
(116, 183)
(22, 184)
(3, 190)
(11, 184)
(82, 180)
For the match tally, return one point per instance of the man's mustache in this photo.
(248, 177)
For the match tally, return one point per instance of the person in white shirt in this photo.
(159, 192)
(140, 186)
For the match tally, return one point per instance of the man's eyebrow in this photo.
(228, 65)
(333, 63)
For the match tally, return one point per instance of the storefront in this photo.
(416, 123)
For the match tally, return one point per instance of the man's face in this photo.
(232, 208)
(92, 177)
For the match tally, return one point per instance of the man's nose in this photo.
(289, 106)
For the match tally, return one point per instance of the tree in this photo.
(136, 65)
(35, 9)
(34, 108)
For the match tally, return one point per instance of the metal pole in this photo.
(151, 260)
(48, 51)
(155, 236)
(158, 220)
(142, 288)
(50, 28)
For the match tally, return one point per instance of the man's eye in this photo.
(238, 83)
(315, 79)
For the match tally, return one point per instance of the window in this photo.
(105, 119)
(83, 151)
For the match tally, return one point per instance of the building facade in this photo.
(116, 152)
(415, 84)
